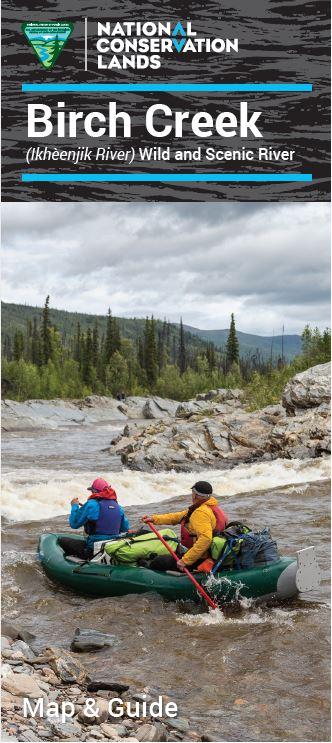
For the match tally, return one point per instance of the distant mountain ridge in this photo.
(249, 342)
(16, 316)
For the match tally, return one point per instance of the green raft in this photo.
(281, 579)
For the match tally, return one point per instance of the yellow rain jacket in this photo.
(201, 525)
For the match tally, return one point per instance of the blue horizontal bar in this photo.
(166, 87)
(161, 177)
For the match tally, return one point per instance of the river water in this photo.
(255, 674)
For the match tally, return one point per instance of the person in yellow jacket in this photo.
(199, 523)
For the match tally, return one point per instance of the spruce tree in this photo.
(36, 349)
(232, 346)
(87, 367)
(182, 356)
(46, 332)
(140, 353)
(164, 350)
(173, 351)
(306, 342)
(117, 374)
(7, 347)
(161, 351)
(326, 345)
(77, 344)
(28, 344)
(116, 335)
(108, 339)
(168, 341)
(113, 337)
(95, 344)
(211, 356)
(18, 345)
(150, 352)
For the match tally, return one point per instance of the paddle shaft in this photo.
(185, 570)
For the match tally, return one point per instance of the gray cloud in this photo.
(268, 263)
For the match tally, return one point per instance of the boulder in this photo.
(66, 666)
(23, 648)
(249, 431)
(95, 733)
(7, 699)
(49, 676)
(187, 409)
(66, 730)
(5, 669)
(178, 723)
(142, 697)
(107, 685)
(10, 654)
(211, 395)
(23, 668)
(302, 436)
(217, 437)
(158, 408)
(149, 733)
(114, 732)
(29, 735)
(309, 389)
(45, 734)
(87, 640)
(221, 394)
(101, 712)
(22, 685)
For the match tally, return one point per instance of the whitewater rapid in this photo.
(31, 494)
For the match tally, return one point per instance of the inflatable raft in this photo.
(282, 579)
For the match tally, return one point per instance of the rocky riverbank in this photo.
(217, 431)
(213, 430)
(58, 678)
(95, 409)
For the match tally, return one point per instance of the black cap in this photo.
(202, 488)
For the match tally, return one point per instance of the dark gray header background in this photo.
(279, 41)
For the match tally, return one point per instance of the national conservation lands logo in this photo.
(143, 44)
(47, 39)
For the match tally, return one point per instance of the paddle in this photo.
(203, 593)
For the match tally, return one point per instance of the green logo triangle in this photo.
(47, 39)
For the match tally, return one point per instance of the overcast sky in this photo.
(267, 263)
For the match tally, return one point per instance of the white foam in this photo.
(276, 616)
(36, 494)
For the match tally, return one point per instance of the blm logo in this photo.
(47, 39)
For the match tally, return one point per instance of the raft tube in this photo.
(282, 579)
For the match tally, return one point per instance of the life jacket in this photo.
(187, 539)
(110, 515)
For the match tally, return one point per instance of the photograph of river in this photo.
(211, 366)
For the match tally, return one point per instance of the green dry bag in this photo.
(145, 546)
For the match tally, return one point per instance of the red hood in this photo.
(107, 494)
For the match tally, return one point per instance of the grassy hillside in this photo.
(16, 316)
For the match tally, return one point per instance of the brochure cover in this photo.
(166, 371)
